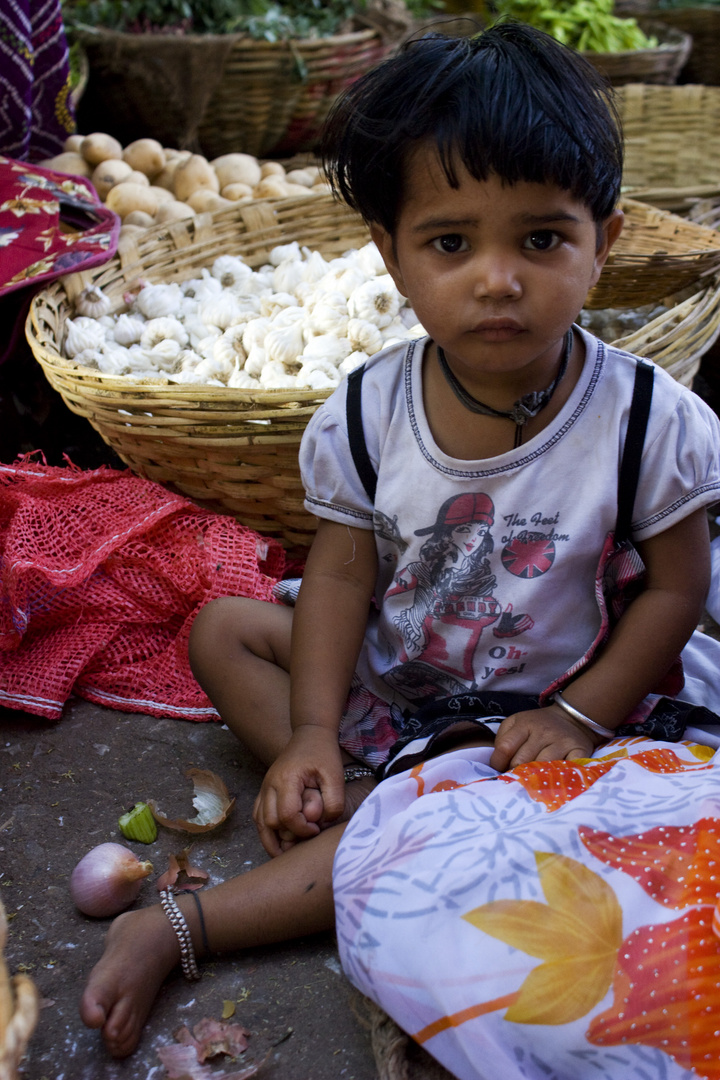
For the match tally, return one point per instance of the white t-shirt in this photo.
(487, 568)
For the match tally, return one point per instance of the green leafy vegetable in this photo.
(588, 25)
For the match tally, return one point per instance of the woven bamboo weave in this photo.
(236, 450)
(274, 96)
(672, 143)
(703, 25)
(660, 64)
(657, 255)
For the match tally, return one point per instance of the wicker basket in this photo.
(703, 25)
(657, 255)
(661, 64)
(220, 93)
(236, 450)
(672, 143)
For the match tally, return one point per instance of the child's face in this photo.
(495, 273)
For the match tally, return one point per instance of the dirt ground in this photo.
(64, 786)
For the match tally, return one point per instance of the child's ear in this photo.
(608, 233)
(386, 247)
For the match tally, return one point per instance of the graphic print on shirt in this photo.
(452, 588)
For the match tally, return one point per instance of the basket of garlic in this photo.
(201, 350)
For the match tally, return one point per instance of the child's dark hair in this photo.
(510, 101)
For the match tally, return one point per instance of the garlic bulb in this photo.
(93, 302)
(330, 315)
(370, 260)
(272, 303)
(354, 360)
(162, 329)
(166, 354)
(220, 310)
(128, 329)
(288, 275)
(240, 380)
(285, 253)
(256, 360)
(377, 300)
(214, 371)
(107, 880)
(228, 349)
(255, 333)
(202, 288)
(327, 347)
(364, 336)
(231, 272)
(275, 375)
(284, 343)
(153, 301)
(83, 333)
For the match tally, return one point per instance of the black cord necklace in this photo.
(524, 409)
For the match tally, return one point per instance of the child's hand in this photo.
(546, 734)
(303, 788)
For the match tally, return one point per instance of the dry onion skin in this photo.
(107, 880)
(211, 800)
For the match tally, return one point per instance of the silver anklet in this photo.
(581, 718)
(357, 772)
(177, 921)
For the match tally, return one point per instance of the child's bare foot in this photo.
(141, 950)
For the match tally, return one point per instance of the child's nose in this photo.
(496, 277)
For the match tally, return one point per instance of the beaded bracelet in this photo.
(581, 718)
(357, 772)
(177, 921)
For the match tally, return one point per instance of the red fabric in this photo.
(101, 576)
(50, 224)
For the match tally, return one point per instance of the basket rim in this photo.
(96, 33)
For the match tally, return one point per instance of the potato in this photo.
(272, 187)
(135, 177)
(126, 197)
(237, 169)
(271, 168)
(73, 143)
(68, 162)
(202, 199)
(194, 173)
(299, 189)
(301, 176)
(166, 177)
(100, 147)
(107, 174)
(138, 217)
(163, 196)
(233, 192)
(173, 211)
(145, 155)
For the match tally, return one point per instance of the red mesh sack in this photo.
(101, 576)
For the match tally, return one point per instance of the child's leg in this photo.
(287, 897)
(240, 654)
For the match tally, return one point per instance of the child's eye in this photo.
(450, 243)
(542, 240)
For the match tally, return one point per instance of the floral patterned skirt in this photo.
(554, 922)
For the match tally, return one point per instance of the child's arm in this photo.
(639, 652)
(328, 628)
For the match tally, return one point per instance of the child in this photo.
(488, 170)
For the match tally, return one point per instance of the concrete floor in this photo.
(62, 788)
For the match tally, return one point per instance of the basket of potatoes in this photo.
(148, 184)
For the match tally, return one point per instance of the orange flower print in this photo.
(666, 993)
(676, 865)
(555, 783)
